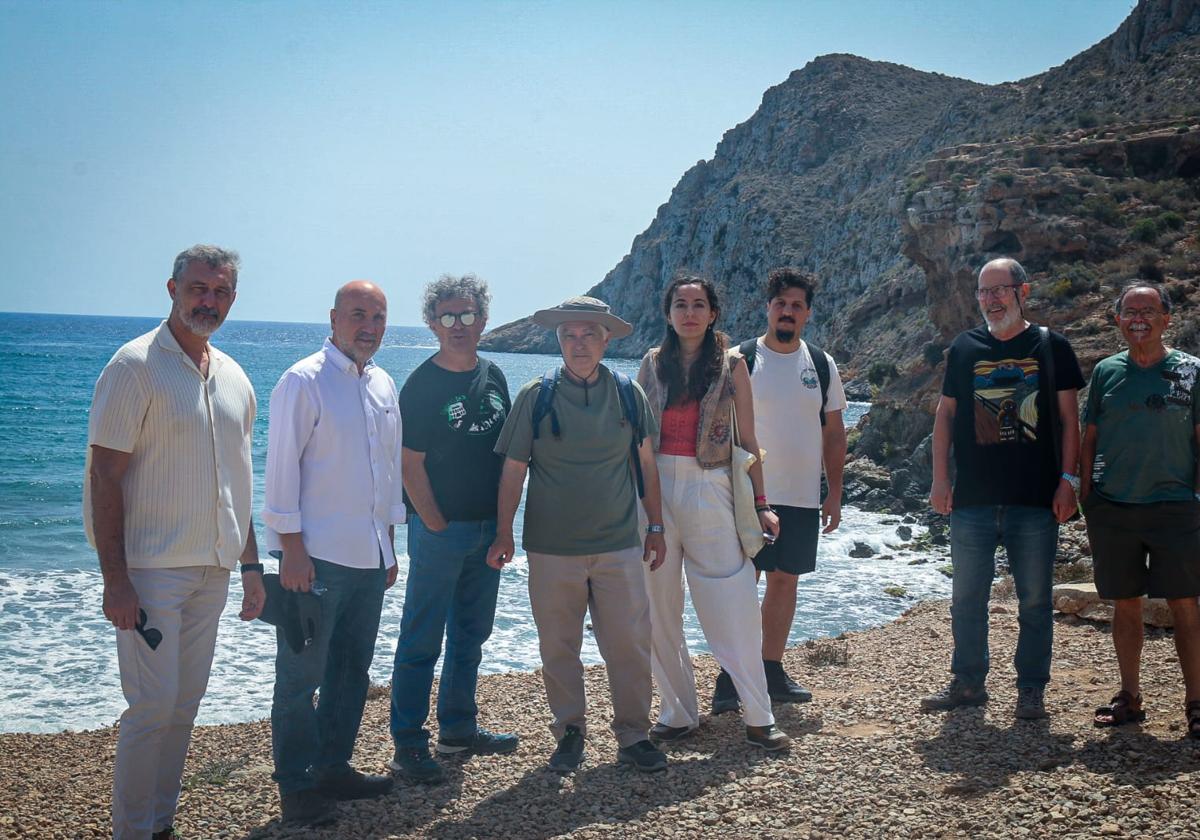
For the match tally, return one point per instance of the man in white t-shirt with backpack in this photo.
(798, 403)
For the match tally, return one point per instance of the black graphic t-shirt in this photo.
(1003, 448)
(456, 437)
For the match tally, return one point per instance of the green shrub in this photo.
(1144, 230)
(879, 372)
(1086, 119)
(1103, 208)
(1170, 220)
(933, 353)
(1005, 178)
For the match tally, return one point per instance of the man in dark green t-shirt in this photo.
(581, 529)
(1141, 493)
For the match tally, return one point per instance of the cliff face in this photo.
(821, 176)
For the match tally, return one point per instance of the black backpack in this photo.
(749, 348)
(544, 404)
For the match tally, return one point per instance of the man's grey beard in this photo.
(784, 336)
(201, 328)
(1012, 318)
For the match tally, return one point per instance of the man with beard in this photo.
(166, 505)
(1141, 493)
(333, 496)
(798, 403)
(1015, 480)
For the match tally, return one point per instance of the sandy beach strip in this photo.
(865, 762)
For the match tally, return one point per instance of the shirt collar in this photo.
(344, 363)
(166, 340)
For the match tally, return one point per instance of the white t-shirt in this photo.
(787, 422)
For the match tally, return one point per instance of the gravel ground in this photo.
(864, 763)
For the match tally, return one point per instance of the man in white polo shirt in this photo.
(798, 403)
(166, 504)
(333, 496)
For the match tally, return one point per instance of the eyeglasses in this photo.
(1146, 314)
(152, 636)
(464, 318)
(995, 291)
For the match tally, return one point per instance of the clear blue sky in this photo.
(528, 142)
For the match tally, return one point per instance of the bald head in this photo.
(358, 320)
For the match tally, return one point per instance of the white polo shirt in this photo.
(787, 422)
(188, 488)
(333, 460)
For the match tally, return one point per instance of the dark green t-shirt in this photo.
(1145, 421)
(582, 496)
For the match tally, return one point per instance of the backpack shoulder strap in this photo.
(821, 365)
(748, 349)
(1046, 351)
(633, 415)
(544, 404)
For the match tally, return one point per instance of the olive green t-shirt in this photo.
(582, 496)
(1145, 422)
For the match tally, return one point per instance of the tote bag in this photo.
(745, 517)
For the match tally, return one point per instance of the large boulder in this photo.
(1081, 599)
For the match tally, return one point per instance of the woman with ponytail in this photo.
(693, 384)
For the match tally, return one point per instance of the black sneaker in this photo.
(643, 756)
(781, 688)
(771, 738)
(1031, 703)
(481, 743)
(307, 807)
(661, 733)
(569, 754)
(417, 765)
(167, 833)
(725, 696)
(954, 695)
(351, 784)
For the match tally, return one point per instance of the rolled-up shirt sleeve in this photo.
(293, 414)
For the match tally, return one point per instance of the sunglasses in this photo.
(464, 318)
(152, 636)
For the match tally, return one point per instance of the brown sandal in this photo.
(1192, 710)
(1124, 708)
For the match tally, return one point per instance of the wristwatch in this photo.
(654, 529)
(251, 567)
(1073, 480)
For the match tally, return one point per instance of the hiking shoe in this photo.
(954, 695)
(481, 743)
(661, 733)
(307, 807)
(417, 765)
(167, 833)
(781, 688)
(771, 738)
(725, 696)
(1031, 704)
(569, 753)
(352, 784)
(643, 756)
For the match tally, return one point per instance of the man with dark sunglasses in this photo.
(453, 407)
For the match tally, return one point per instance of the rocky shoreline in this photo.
(865, 763)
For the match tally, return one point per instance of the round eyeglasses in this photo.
(464, 318)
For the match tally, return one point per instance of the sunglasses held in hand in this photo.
(152, 636)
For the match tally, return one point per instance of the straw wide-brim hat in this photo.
(583, 308)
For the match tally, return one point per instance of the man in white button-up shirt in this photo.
(333, 495)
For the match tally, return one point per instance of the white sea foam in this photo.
(60, 658)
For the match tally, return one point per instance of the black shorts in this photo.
(795, 552)
(1150, 549)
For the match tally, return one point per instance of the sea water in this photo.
(58, 666)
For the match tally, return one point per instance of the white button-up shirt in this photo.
(333, 460)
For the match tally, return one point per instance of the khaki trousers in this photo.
(611, 587)
(163, 688)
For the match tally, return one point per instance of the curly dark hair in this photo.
(788, 277)
(707, 365)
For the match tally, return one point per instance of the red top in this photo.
(677, 432)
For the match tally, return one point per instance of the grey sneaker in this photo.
(417, 765)
(644, 756)
(1031, 704)
(954, 695)
(569, 754)
(481, 743)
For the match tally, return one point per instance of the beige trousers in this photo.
(609, 586)
(163, 688)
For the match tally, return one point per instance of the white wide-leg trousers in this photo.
(702, 543)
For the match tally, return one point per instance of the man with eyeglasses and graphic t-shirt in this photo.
(1009, 409)
(453, 407)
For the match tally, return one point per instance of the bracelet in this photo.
(252, 567)
(763, 509)
(760, 500)
(654, 529)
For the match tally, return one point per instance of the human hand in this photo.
(831, 513)
(121, 603)
(654, 550)
(769, 520)
(296, 571)
(1064, 504)
(254, 596)
(941, 496)
(392, 573)
(501, 551)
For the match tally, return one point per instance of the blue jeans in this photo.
(338, 662)
(1030, 536)
(451, 591)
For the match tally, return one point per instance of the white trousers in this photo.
(163, 688)
(702, 543)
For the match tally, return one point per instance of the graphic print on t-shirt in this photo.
(1006, 401)
(490, 413)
